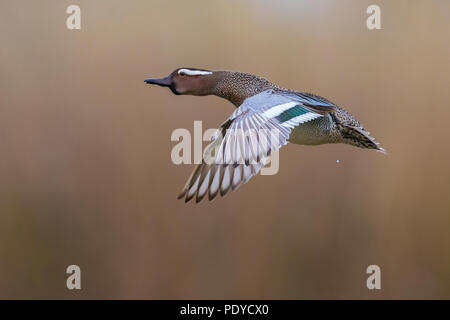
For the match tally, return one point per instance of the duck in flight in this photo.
(266, 118)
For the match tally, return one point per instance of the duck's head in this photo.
(197, 82)
(230, 85)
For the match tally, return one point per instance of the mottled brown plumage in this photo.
(238, 86)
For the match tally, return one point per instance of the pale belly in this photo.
(318, 131)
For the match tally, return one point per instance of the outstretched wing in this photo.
(243, 143)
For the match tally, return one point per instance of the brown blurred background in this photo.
(85, 169)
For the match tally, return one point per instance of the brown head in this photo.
(197, 82)
(233, 86)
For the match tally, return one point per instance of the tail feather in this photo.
(359, 137)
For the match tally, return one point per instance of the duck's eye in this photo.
(182, 74)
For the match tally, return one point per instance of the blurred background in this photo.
(87, 179)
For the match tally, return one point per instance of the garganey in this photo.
(266, 118)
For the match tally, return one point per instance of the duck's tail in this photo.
(359, 137)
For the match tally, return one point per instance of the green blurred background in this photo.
(85, 169)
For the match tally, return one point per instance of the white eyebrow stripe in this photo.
(275, 111)
(190, 72)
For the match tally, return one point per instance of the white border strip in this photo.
(190, 72)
